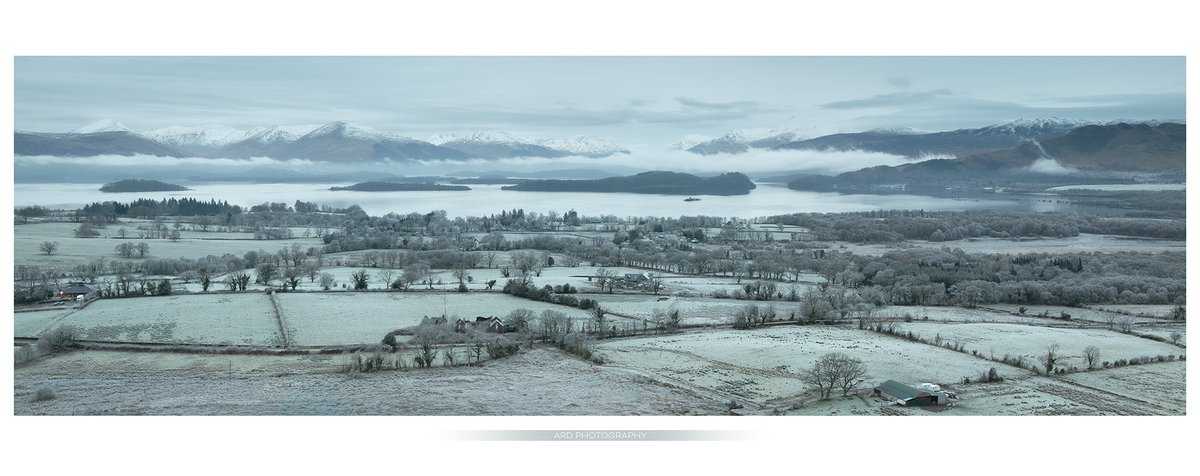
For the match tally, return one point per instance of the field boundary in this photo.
(283, 332)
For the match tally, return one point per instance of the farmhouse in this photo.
(74, 290)
(909, 396)
(637, 279)
(491, 324)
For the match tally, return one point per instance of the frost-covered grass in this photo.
(1162, 311)
(952, 314)
(195, 319)
(72, 251)
(1076, 313)
(32, 323)
(1031, 342)
(1161, 384)
(356, 318)
(692, 310)
(538, 382)
(1164, 331)
(1083, 243)
(763, 365)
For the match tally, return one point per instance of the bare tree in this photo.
(426, 338)
(1125, 324)
(266, 272)
(834, 370)
(328, 281)
(291, 277)
(519, 318)
(143, 249)
(312, 271)
(1176, 336)
(1091, 355)
(48, 247)
(385, 276)
(489, 258)
(1050, 360)
(605, 278)
(460, 273)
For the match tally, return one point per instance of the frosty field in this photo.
(1077, 313)
(763, 365)
(224, 319)
(692, 310)
(355, 318)
(72, 250)
(1031, 341)
(32, 323)
(539, 382)
(1082, 243)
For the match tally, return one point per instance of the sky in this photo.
(642, 102)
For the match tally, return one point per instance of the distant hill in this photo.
(488, 180)
(666, 183)
(137, 185)
(957, 143)
(90, 145)
(1089, 151)
(399, 187)
(337, 142)
(342, 142)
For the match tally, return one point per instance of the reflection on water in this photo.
(766, 200)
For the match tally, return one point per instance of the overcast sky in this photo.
(646, 102)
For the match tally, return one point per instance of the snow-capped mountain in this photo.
(900, 131)
(1032, 129)
(689, 141)
(589, 146)
(343, 142)
(200, 140)
(498, 145)
(742, 140)
(102, 125)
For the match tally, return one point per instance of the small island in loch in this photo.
(659, 182)
(400, 187)
(136, 185)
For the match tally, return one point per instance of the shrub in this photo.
(42, 394)
(59, 339)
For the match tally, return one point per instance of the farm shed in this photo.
(908, 395)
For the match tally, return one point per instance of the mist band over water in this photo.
(482, 200)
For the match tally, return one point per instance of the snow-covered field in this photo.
(357, 318)
(30, 324)
(538, 382)
(1084, 243)
(195, 319)
(763, 365)
(72, 251)
(1031, 342)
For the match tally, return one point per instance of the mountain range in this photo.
(337, 142)
(1081, 154)
(906, 142)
